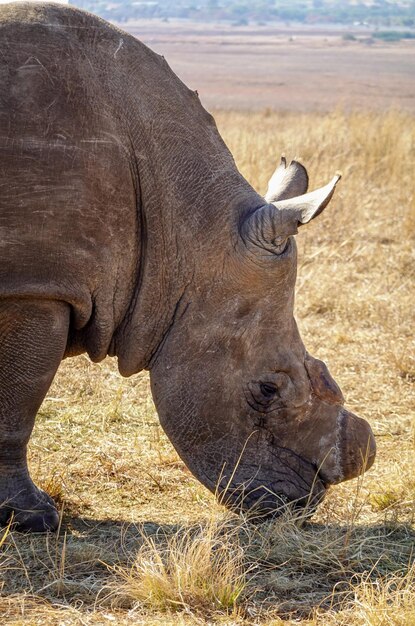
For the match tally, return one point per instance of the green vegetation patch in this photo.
(393, 35)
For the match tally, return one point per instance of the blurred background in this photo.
(297, 55)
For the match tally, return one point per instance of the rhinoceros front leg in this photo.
(33, 337)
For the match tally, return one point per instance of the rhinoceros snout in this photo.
(357, 445)
(351, 451)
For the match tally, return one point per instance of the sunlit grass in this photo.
(199, 569)
(141, 541)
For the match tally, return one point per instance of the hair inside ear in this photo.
(287, 181)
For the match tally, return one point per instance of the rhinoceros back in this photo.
(68, 205)
(103, 152)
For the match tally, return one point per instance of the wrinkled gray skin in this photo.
(126, 229)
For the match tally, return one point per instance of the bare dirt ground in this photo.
(294, 69)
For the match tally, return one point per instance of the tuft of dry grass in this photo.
(199, 569)
(383, 602)
(141, 542)
(386, 602)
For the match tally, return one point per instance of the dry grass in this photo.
(200, 567)
(141, 541)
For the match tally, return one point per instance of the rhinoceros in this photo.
(126, 230)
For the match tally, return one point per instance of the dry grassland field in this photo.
(141, 541)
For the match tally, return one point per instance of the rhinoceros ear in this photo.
(287, 182)
(309, 205)
(270, 226)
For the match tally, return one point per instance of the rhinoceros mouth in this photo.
(261, 479)
(268, 492)
(262, 503)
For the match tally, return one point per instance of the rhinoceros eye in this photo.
(263, 396)
(267, 390)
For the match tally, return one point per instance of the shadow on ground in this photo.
(291, 569)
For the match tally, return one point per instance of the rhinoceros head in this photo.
(254, 416)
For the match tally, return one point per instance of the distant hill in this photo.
(374, 13)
